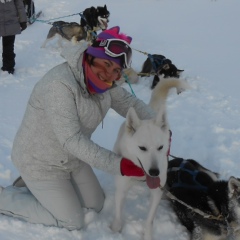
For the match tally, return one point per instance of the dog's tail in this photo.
(160, 92)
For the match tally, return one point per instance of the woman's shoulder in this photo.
(57, 72)
(60, 74)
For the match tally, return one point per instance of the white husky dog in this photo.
(146, 143)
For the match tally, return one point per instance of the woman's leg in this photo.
(88, 188)
(52, 203)
(8, 55)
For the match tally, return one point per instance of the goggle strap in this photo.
(102, 43)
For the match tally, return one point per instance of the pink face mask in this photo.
(94, 84)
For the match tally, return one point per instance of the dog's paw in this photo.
(116, 226)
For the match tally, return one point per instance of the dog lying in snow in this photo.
(201, 189)
(146, 143)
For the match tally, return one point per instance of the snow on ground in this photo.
(200, 37)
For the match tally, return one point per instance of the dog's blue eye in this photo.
(160, 148)
(143, 148)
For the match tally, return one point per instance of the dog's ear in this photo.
(132, 121)
(233, 186)
(167, 61)
(92, 9)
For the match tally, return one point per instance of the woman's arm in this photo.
(20, 11)
(122, 100)
(61, 110)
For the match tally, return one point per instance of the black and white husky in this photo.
(92, 20)
(207, 206)
(159, 65)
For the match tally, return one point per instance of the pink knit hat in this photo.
(112, 33)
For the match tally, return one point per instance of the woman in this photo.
(13, 20)
(53, 150)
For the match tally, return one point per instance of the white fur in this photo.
(129, 75)
(102, 23)
(151, 134)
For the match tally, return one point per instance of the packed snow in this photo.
(201, 37)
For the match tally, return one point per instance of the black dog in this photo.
(95, 18)
(213, 205)
(159, 65)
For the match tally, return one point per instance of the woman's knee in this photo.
(88, 188)
(99, 202)
(73, 223)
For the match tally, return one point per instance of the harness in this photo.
(193, 173)
(87, 27)
(230, 228)
(157, 61)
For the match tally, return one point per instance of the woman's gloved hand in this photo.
(23, 25)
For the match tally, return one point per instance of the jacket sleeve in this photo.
(62, 114)
(21, 11)
(122, 100)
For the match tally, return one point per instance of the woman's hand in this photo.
(23, 26)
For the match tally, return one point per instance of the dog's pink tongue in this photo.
(152, 182)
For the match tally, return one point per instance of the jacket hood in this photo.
(74, 56)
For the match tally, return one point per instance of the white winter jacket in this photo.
(55, 134)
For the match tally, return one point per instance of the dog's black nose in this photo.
(154, 172)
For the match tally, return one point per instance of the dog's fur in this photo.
(95, 18)
(201, 189)
(128, 75)
(70, 31)
(163, 66)
(146, 143)
(92, 20)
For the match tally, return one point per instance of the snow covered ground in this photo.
(201, 37)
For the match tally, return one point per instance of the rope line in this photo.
(129, 84)
(46, 21)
